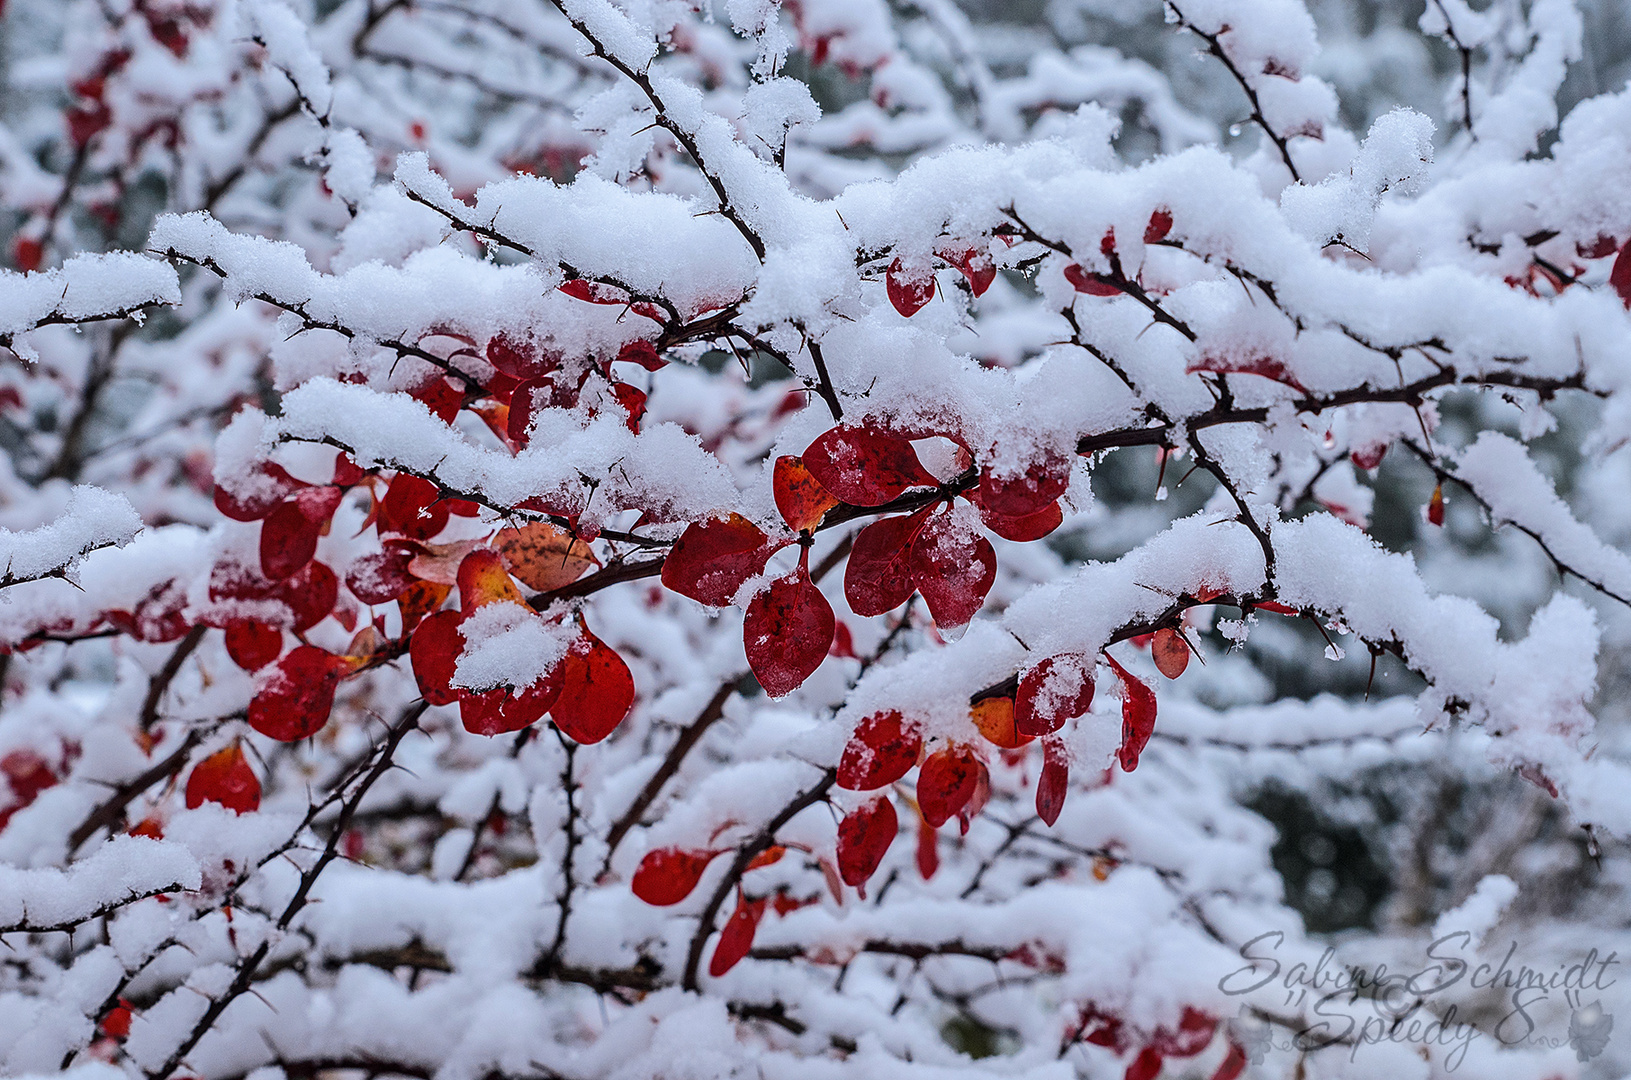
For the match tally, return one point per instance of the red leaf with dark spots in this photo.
(1054, 782)
(295, 698)
(787, 632)
(1060, 688)
(1619, 278)
(864, 837)
(799, 496)
(953, 568)
(1085, 281)
(380, 576)
(878, 577)
(226, 778)
(667, 875)
(434, 651)
(713, 559)
(1021, 496)
(1137, 717)
(737, 937)
(946, 783)
(597, 691)
(410, 508)
(865, 467)
(1170, 652)
(252, 645)
(908, 294)
(1024, 529)
(882, 750)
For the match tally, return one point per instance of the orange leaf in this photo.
(799, 496)
(544, 557)
(994, 716)
(226, 778)
(483, 580)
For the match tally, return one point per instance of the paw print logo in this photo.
(1251, 1034)
(1589, 1027)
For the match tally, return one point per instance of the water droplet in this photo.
(1234, 131)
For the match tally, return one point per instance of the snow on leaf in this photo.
(712, 559)
(863, 466)
(953, 567)
(908, 292)
(1057, 689)
(882, 749)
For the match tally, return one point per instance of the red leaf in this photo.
(597, 691)
(953, 568)
(864, 467)
(434, 651)
(908, 295)
(252, 645)
(1021, 496)
(878, 577)
(1435, 506)
(928, 849)
(1233, 1064)
(410, 508)
(667, 875)
(1054, 782)
(520, 359)
(309, 594)
(289, 534)
(1137, 716)
(882, 750)
(864, 838)
(1085, 281)
(1620, 277)
(1277, 607)
(27, 253)
(644, 353)
(380, 576)
(787, 632)
(1194, 1034)
(713, 559)
(946, 783)
(976, 266)
(27, 774)
(737, 937)
(295, 698)
(1146, 1066)
(1266, 367)
(633, 401)
(1368, 456)
(593, 292)
(1024, 529)
(116, 1025)
(500, 711)
(1170, 652)
(226, 778)
(1158, 228)
(1060, 688)
(441, 397)
(799, 496)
